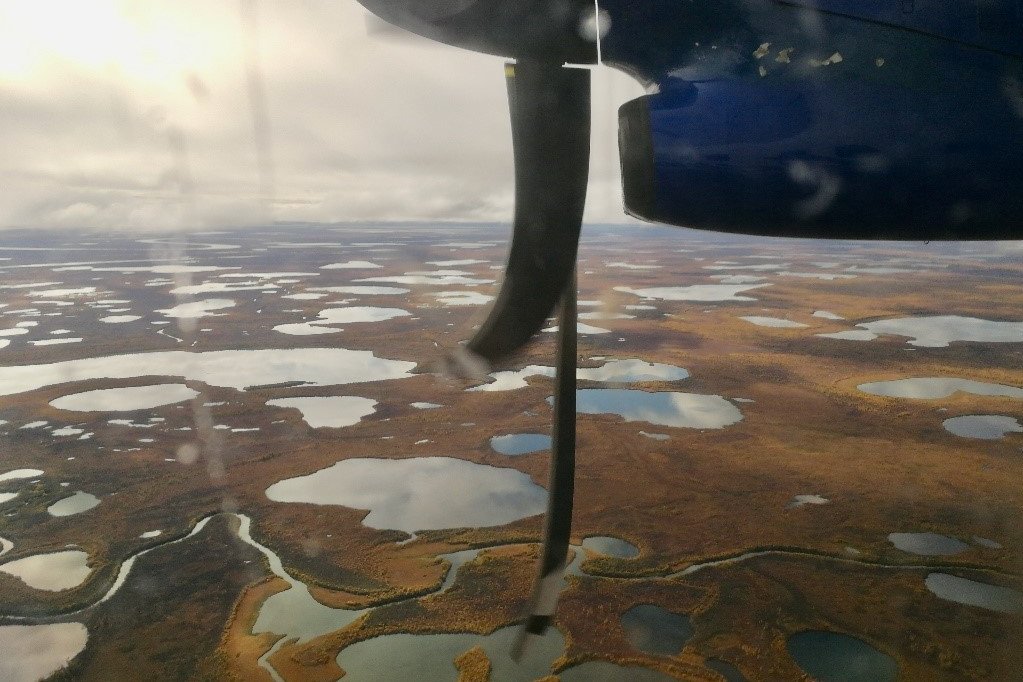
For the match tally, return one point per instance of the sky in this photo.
(139, 116)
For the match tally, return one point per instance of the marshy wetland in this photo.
(224, 457)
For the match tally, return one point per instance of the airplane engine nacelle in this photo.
(830, 119)
(847, 159)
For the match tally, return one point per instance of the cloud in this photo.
(139, 118)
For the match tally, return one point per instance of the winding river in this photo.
(294, 614)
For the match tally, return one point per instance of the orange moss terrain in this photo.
(884, 464)
(473, 666)
(239, 650)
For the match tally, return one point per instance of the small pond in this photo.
(202, 308)
(696, 292)
(513, 379)
(329, 411)
(927, 544)
(305, 329)
(17, 474)
(850, 335)
(973, 593)
(834, 657)
(611, 546)
(666, 408)
(53, 571)
(779, 322)
(359, 314)
(982, 426)
(803, 500)
(656, 630)
(581, 328)
(655, 436)
(520, 443)
(931, 388)
(351, 314)
(125, 399)
(462, 298)
(75, 504)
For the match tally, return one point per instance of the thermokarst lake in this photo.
(227, 454)
(403, 494)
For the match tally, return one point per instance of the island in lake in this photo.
(224, 458)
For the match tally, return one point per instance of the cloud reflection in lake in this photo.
(422, 493)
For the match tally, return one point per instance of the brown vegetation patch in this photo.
(473, 666)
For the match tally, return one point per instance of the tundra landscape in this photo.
(225, 456)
